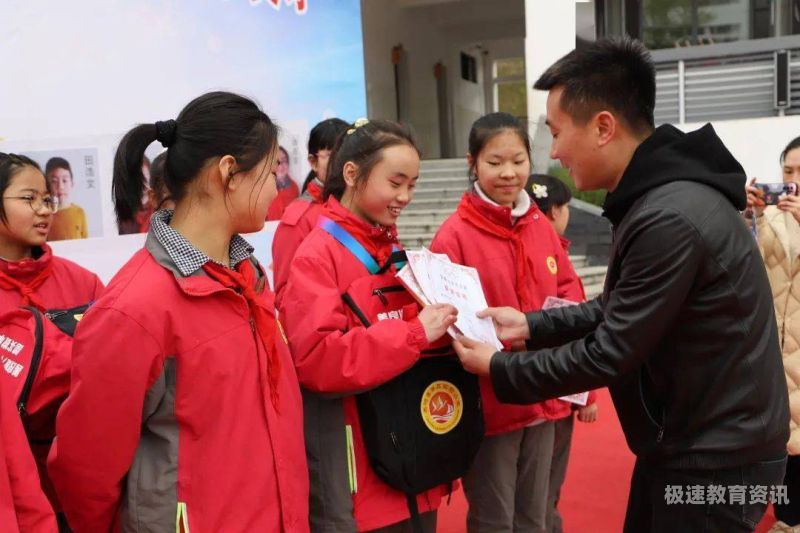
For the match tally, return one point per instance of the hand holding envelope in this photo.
(434, 279)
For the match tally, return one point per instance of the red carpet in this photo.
(595, 492)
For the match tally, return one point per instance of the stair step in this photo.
(442, 193)
(432, 201)
(592, 271)
(462, 173)
(437, 213)
(578, 261)
(593, 291)
(454, 182)
(443, 163)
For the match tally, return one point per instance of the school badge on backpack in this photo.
(441, 407)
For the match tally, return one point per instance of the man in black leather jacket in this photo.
(684, 334)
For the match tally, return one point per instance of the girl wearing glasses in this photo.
(30, 275)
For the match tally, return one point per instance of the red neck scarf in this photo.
(377, 240)
(244, 279)
(315, 191)
(27, 290)
(522, 264)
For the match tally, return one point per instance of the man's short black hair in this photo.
(617, 75)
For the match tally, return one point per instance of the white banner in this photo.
(105, 256)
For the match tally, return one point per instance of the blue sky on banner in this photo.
(100, 66)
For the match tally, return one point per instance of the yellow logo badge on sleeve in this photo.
(552, 266)
(442, 407)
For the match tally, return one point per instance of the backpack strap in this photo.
(349, 242)
(35, 360)
(416, 520)
(398, 257)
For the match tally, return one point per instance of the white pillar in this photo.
(549, 35)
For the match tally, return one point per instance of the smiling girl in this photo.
(520, 260)
(372, 178)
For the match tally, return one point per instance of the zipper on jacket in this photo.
(660, 435)
(396, 443)
(52, 315)
(380, 293)
(351, 460)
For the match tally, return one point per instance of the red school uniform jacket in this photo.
(23, 506)
(285, 197)
(168, 418)
(64, 285)
(67, 285)
(495, 258)
(297, 222)
(336, 357)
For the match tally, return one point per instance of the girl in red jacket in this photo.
(552, 197)
(30, 275)
(300, 216)
(500, 232)
(372, 178)
(184, 409)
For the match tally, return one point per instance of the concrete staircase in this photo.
(593, 277)
(439, 189)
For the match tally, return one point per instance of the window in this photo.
(681, 23)
(510, 88)
(469, 68)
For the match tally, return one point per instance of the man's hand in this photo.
(511, 325)
(475, 356)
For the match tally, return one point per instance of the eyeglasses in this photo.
(37, 202)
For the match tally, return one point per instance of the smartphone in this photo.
(771, 192)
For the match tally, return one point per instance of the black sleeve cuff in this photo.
(499, 376)
(533, 318)
(500, 369)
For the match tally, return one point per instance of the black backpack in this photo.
(423, 428)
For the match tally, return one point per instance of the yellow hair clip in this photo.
(357, 124)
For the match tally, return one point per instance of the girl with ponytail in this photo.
(184, 410)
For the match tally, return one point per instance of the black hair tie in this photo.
(165, 132)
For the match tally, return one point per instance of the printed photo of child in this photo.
(69, 222)
(72, 176)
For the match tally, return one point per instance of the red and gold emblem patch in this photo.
(552, 266)
(442, 407)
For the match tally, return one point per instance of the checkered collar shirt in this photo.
(187, 258)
